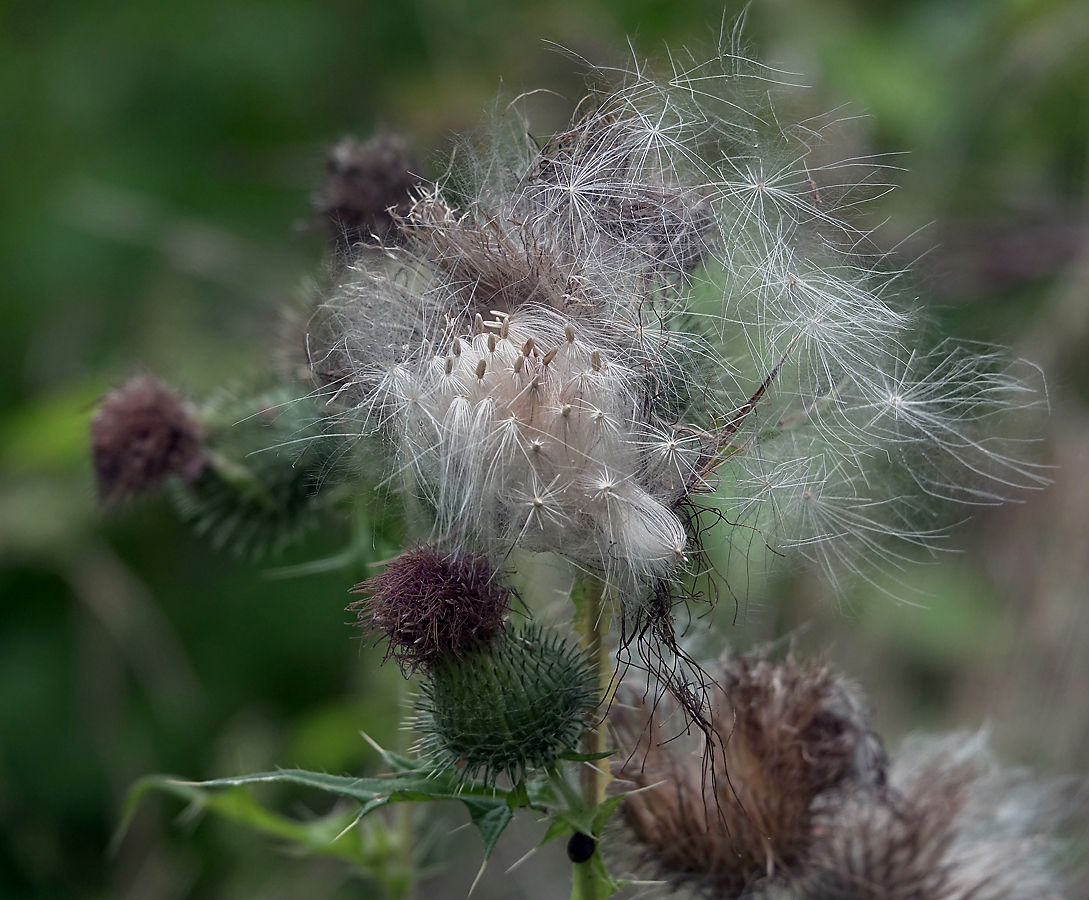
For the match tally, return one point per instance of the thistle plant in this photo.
(626, 349)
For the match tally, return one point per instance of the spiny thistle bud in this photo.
(140, 435)
(367, 187)
(269, 462)
(513, 705)
(799, 802)
(429, 605)
(574, 340)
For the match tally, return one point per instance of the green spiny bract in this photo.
(267, 479)
(512, 706)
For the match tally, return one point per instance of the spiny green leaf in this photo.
(490, 821)
(592, 879)
(588, 821)
(603, 811)
(518, 796)
(488, 806)
(327, 835)
(540, 792)
(395, 761)
(557, 829)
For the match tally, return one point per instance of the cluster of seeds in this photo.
(540, 443)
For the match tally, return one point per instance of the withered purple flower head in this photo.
(367, 187)
(429, 604)
(140, 435)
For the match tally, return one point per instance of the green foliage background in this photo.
(156, 160)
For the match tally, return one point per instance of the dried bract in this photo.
(732, 814)
(951, 825)
(796, 801)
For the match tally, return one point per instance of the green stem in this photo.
(593, 626)
(406, 822)
(584, 882)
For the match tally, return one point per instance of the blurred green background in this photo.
(157, 161)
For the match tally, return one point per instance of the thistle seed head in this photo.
(793, 799)
(785, 736)
(648, 304)
(952, 824)
(428, 605)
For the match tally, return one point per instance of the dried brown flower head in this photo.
(951, 825)
(735, 813)
(488, 269)
(141, 434)
(796, 801)
(428, 604)
(366, 187)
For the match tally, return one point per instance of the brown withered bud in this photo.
(492, 269)
(367, 187)
(794, 799)
(951, 825)
(729, 816)
(428, 604)
(140, 435)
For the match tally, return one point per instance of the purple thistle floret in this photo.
(141, 435)
(428, 604)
